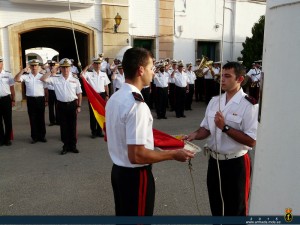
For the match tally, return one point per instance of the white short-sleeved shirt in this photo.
(254, 74)
(97, 80)
(191, 77)
(180, 79)
(171, 80)
(161, 79)
(119, 81)
(74, 69)
(34, 85)
(216, 70)
(6, 80)
(208, 75)
(128, 122)
(66, 90)
(239, 114)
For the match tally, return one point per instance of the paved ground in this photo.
(36, 180)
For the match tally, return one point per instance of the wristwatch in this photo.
(226, 128)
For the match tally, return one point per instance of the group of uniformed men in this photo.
(58, 87)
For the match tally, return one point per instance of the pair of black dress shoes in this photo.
(44, 140)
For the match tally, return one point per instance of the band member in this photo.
(99, 81)
(161, 79)
(37, 97)
(68, 93)
(130, 139)
(209, 83)
(118, 78)
(230, 123)
(255, 75)
(172, 71)
(199, 84)
(7, 101)
(181, 88)
(191, 83)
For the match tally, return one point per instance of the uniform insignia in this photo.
(7, 71)
(251, 99)
(138, 97)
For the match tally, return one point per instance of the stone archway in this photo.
(16, 31)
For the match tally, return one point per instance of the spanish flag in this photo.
(97, 103)
(161, 139)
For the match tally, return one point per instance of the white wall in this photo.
(201, 16)
(143, 18)
(276, 177)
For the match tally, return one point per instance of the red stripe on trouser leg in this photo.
(247, 180)
(145, 191)
(140, 194)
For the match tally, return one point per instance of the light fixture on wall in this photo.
(118, 20)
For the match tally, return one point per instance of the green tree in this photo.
(253, 47)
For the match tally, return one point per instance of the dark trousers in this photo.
(36, 112)
(172, 96)
(95, 127)
(209, 89)
(235, 179)
(6, 118)
(199, 89)
(189, 97)
(68, 123)
(254, 92)
(161, 101)
(134, 190)
(146, 95)
(180, 100)
(52, 106)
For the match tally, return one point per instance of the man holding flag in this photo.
(130, 139)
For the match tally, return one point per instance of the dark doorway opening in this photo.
(208, 49)
(144, 43)
(59, 39)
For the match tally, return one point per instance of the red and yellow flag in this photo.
(161, 140)
(97, 103)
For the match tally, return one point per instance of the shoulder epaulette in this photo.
(251, 99)
(138, 97)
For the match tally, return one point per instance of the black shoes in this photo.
(96, 135)
(66, 150)
(34, 141)
(8, 143)
(75, 150)
(51, 124)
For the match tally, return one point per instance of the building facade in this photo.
(181, 29)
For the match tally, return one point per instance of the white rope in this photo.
(79, 63)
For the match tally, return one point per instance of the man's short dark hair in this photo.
(239, 69)
(133, 59)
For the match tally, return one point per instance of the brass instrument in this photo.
(204, 63)
(255, 84)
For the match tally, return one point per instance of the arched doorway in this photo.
(49, 32)
(59, 39)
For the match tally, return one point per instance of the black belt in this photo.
(134, 168)
(67, 103)
(4, 96)
(35, 97)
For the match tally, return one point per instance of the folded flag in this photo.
(165, 141)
